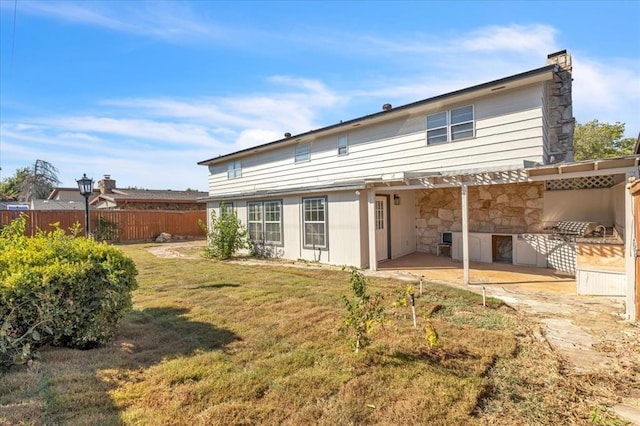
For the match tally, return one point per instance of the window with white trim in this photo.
(379, 214)
(314, 222)
(234, 170)
(228, 206)
(264, 221)
(302, 153)
(343, 145)
(450, 125)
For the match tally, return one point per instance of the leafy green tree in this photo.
(227, 234)
(10, 187)
(595, 140)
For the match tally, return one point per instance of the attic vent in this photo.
(590, 182)
(386, 107)
(287, 135)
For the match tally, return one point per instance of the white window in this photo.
(437, 127)
(314, 222)
(302, 153)
(343, 145)
(228, 207)
(264, 219)
(462, 123)
(273, 221)
(254, 221)
(379, 214)
(450, 125)
(234, 170)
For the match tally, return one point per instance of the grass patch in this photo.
(220, 343)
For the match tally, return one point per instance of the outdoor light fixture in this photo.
(396, 199)
(85, 185)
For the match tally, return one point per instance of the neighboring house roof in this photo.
(57, 205)
(637, 150)
(538, 74)
(70, 194)
(150, 196)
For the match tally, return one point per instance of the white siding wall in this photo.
(364, 230)
(509, 130)
(343, 228)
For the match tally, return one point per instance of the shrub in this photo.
(58, 289)
(105, 230)
(226, 236)
(364, 311)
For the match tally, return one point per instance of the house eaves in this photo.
(511, 82)
(351, 186)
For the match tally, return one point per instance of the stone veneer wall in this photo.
(558, 95)
(509, 209)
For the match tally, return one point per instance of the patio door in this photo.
(382, 228)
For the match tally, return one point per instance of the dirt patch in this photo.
(184, 249)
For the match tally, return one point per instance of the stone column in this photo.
(558, 96)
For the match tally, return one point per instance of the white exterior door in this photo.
(382, 232)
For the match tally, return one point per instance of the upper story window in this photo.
(450, 125)
(303, 153)
(234, 170)
(343, 145)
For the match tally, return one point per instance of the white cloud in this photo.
(164, 132)
(523, 39)
(608, 91)
(168, 21)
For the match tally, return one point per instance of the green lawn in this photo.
(221, 343)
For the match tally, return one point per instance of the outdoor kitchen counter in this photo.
(600, 257)
(609, 240)
(600, 268)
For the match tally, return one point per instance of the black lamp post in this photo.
(85, 185)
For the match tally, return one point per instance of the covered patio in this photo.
(445, 269)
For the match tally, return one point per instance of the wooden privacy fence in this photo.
(127, 225)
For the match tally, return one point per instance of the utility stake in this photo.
(484, 297)
(421, 276)
(413, 309)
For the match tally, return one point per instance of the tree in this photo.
(595, 140)
(10, 187)
(38, 181)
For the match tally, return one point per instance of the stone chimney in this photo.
(559, 109)
(106, 185)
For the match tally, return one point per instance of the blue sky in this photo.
(144, 90)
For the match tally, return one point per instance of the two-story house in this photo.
(483, 174)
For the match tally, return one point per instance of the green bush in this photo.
(226, 236)
(58, 289)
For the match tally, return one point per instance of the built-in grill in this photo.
(579, 229)
(569, 229)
